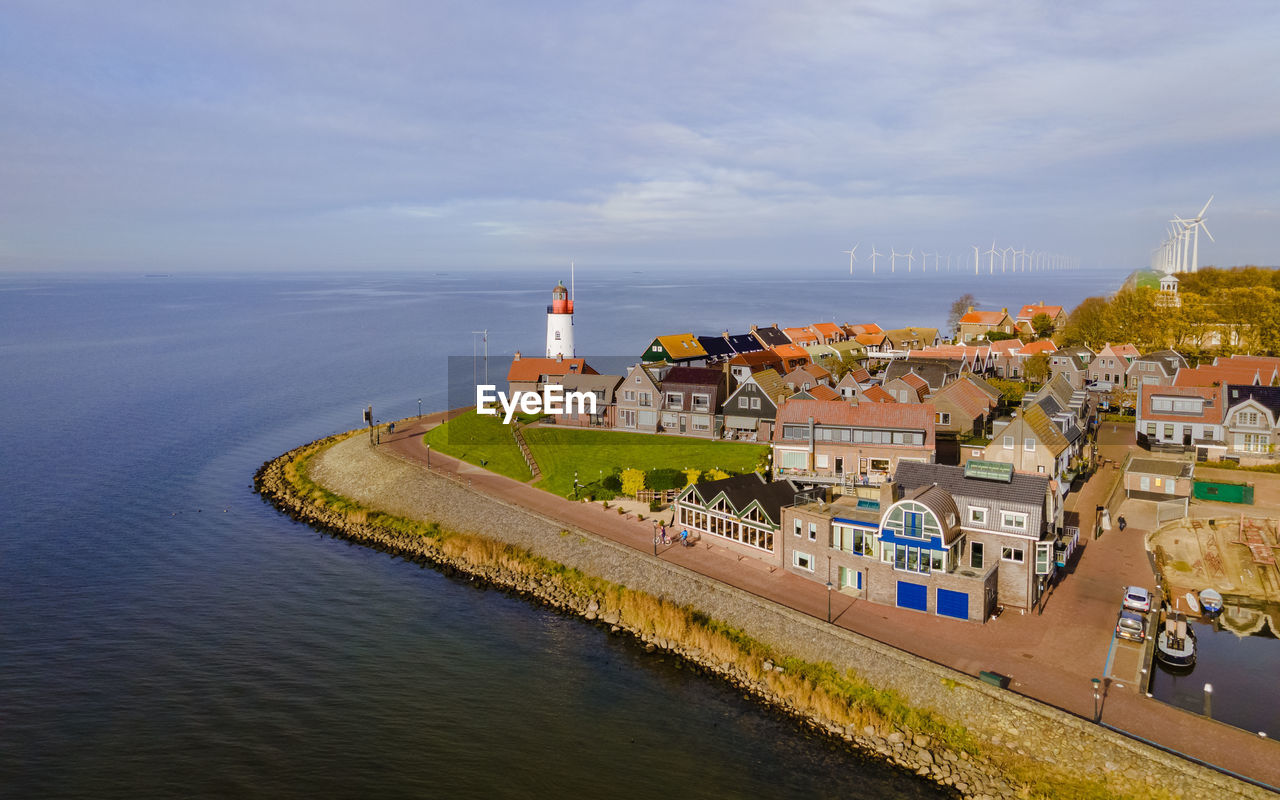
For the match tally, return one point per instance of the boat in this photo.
(1192, 604)
(1210, 603)
(1176, 642)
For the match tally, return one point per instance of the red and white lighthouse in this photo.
(560, 323)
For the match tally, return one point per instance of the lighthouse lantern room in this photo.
(560, 323)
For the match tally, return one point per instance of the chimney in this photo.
(970, 309)
(725, 335)
(1004, 311)
(754, 328)
(517, 356)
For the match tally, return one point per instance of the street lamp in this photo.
(428, 456)
(1208, 697)
(655, 538)
(419, 408)
(829, 587)
(1097, 697)
(575, 484)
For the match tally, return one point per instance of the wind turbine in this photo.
(911, 257)
(991, 262)
(975, 259)
(924, 261)
(1194, 225)
(874, 256)
(893, 260)
(852, 257)
(936, 256)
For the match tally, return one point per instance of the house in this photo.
(875, 394)
(770, 337)
(1158, 479)
(744, 365)
(802, 336)
(1252, 420)
(950, 541)
(829, 332)
(968, 358)
(824, 355)
(1182, 418)
(975, 325)
(531, 374)
(1111, 364)
(838, 442)
(862, 329)
(603, 387)
(691, 399)
(680, 348)
(639, 397)
(1032, 442)
(1027, 313)
(1009, 356)
(792, 355)
(853, 381)
(1225, 373)
(742, 513)
(1073, 364)
(872, 343)
(935, 372)
(849, 350)
(717, 348)
(1158, 368)
(750, 410)
(806, 376)
(904, 339)
(908, 387)
(963, 407)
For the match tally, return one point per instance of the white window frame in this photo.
(1015, 555)
(1029, 445)
(1014, 520)
(977, 515)
(797, 557)
(1008, 443)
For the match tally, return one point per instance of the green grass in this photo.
(560, 451)
(474, 438)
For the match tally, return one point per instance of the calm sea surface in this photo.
(165, 633)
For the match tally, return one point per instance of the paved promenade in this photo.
(1050, 656)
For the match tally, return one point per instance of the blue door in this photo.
(913, 595)
(953, 604)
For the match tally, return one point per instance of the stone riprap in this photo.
(1032, 733)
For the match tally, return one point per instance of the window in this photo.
(943, 418)
(1008, 443)
(821, 461)
(802, 560)
(978, 516)
(646, 399)
(799, 526)
(1013, 554)
(1247, 418)
(675, 400)
(1029, 445)
(755, 403)
(975, 555)
(1151, 429)
(1012, 519)
(628, 395)
(813, 531)
(793, 459)
(742, 402)
(1168, 431)
(557, 336)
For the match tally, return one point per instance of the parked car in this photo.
(1137, 599)
(1131, 626)
(1098, 386)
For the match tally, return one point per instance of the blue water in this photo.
(164, 633)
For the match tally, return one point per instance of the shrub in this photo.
(632, 482)
(691, 476)
(655, 505)
(662, 478)
(612, 482)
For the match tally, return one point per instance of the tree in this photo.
(692, 475)
(998, 336)
(1037, 368)
(1042, 324)
(959, 308)
(1087, 323)
(632, 482)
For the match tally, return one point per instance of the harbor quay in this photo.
(1048, 655)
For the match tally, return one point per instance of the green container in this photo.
(1223, 492)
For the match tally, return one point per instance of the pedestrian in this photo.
(392, 428)
(1122, 523)
(663, 529)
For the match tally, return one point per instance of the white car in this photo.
(1099, 386)
(1137, 599)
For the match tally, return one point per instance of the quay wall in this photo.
(1027, 748)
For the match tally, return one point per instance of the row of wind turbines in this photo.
(1184, 234)
(1011, 260)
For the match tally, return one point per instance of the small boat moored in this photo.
(1210, 603)
(1193, 605)
(1176, 642)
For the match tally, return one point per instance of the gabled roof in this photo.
(745, 343)
(1169, 361)
(1045, 429)
(859, 375)
(1023, 488)
(1213, 412)
(1045, 346)
(935, 372)
(984, 318)
(1206, 375)
(682, 346)
(801, 335)
(865, 327)
(1125, 351)
(743, 491)
(786, 351)
(770, 382)
(877, 394)
(823, 392)
(528, 370)
(916, 384)
(908, 335)
(869, 339)
(1006, 347)
(693, 376)
(847, 346)
(1028, 312)
(715, 346)
(1267, 396)
(827, 330)
(771, 337)
(966, 395)
(605, 384)
(756, 360)
(900, 416)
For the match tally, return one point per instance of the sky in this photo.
(312, 135)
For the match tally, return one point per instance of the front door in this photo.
(839, 465)
(682, 423)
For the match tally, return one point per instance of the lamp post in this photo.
(428, 456)
(1097, 523)
(575, 484)
(1208, 697)
(419, 408)
(655, 539)
(1097, 697)
(829, 587)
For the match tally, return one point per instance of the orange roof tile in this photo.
(800, 335)
(824, 392)
(877, 394)
(983, 318)
(1206, 375)
(869, 339)
(531, 369)
(1041, 346)
(791, 351)
(1028, 312)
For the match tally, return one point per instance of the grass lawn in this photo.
(560, 451)
(474, 438)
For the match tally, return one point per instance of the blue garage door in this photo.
(913, 595)
(953, 604)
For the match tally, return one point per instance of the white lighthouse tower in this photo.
(560, 323)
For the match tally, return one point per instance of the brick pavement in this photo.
(1051, 658)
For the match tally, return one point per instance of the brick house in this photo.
(691, 398)
(752, 407)
(1112, 364)
(639, 398)
(603, 387)
(743, 365)
(837, 442)
(1027, 313)
(964, 407)
(975, 325)
(1159, 369)
(531, 374)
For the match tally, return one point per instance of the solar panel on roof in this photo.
(989, 470)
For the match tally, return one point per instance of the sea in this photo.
(164, 633)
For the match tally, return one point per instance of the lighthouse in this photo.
(560, 323)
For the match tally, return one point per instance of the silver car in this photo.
(1131, 626)
(1137, 599)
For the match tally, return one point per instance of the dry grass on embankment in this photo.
(818, 693)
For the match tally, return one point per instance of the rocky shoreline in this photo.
(996, 761)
